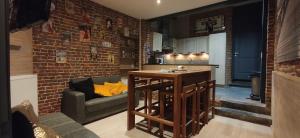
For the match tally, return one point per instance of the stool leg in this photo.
(213, 100)
(162, 113)
(183, 119)
(194, 115)
(145, 101)
(149, 108)
(197, 122)
(206, 106)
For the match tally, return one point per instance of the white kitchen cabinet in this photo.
(192, 45)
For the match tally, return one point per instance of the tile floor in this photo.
(240, 94)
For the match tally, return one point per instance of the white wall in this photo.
(24, 87)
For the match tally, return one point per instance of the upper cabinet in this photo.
(192, 45)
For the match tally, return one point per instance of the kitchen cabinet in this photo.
(192, 45)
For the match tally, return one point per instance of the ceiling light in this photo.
(158, 1)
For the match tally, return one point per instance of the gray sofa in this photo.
(75, 106)
(65, 127)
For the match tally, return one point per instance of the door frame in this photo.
(5, 107)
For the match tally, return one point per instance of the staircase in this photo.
(244, 111)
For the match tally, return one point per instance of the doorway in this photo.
(247, 41)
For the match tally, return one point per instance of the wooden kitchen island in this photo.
(179, 78)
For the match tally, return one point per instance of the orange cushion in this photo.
(103, 90)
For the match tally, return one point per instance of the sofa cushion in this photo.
(86, 86)
(21, 126)
(66, 127)
(101, 80)
(115, 78)
(98, 104)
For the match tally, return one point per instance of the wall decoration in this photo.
(120, 22)
(111, 58)
(106, 44)
(69, 7)
(86, 18)
(66, 38)
(210, 24)
(126, 32)
(48, 27)
(85, 33)
(97, 23)
(94, 52)
(61, 56)
(109, 24)
(52, 7)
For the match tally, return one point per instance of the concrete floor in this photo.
(239, 94)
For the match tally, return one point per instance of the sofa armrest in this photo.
(73, 105)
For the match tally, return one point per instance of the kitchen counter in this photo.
(184, 64)
(198, 67)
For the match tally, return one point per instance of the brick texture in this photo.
(54, 77)
(270, 51)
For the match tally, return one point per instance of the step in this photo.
(249, 107)
(244, 115)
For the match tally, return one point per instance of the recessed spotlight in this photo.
(158, 1)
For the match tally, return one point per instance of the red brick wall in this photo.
(54, 77)
(270, 51)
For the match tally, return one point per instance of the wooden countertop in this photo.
(183, 64)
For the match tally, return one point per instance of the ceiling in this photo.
(147, 9)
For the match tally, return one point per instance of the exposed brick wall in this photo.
(228, 64)
(290, 67)
(147, 38)
(270, 51)
(54, 77)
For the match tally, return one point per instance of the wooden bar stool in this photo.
(189, 91)
(201, 106)
(212, 97)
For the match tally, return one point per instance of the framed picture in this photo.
(48, 27)
(61, 56)
(85, 33)
(126, 32)
(120, 22)
(106, 44)
(111, 58)
(210, 24)
(109, 24)
(94, 52)
(66, 38)
(69, 7)
(86, 18)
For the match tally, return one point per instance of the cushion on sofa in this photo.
(86, 86)
(100, 80)
(66, 127)
(114, 79)
(21, 126)
(106, 102)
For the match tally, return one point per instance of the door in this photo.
(247, 35)
(217, 55)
